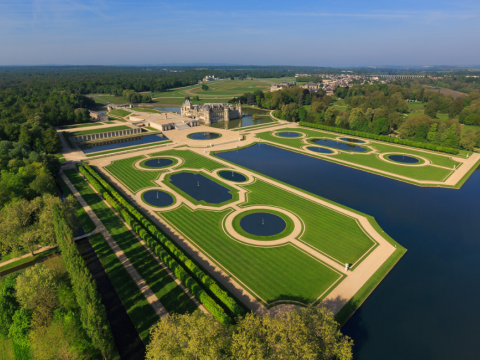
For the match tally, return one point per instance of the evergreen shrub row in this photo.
(92, 312)
(389, 139)
(121, 206)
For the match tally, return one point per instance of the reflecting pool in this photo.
(320, 149)
(289, 134)
(158, 163)
(427, 306)
(353, 140)
(262, 224)
(120, 143)
(157, 198)
(169, 109)
(339, 145)
(200, 187)
(203, 136)
(232, 176)
(247, 120)
(403, 159)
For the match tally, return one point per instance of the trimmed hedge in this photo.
(92, 312)
(389, 139)
(209, 303)
(208, 282)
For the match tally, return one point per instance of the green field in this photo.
(289, 273)
(119, 112)
(150, 128)
(172, 297)
(146, 110)
(372, 160)
(78, 126)
(416, 105)
(113, 99)
(98, 131)
(232, 87)
(181, 100)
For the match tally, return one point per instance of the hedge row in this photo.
(210, 304)
(416, 144)
(92, 312)
(206, 280)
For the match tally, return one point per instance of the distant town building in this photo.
(210, 78)
(276, 87)
(123, 107)
(311, 86)
(211, 112)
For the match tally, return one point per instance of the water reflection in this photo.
(119, 143)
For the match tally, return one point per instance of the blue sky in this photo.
(319, 33)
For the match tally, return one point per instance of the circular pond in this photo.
(320, 150)
(289, 134)
(157, 198)
(403, 159)
(353, 140)
(232, 176)
(157, 163)
(263, 224)
(204, 136)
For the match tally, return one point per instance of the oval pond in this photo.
(339, 145)
(320, 150)
(289, 134)
(204, 136)
(157, 198)
(403, 159)
(157, 163)
(232, 176)
(263, 224)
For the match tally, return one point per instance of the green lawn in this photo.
(416, 105)
(98, 131)
(146, 110)
(335, 234)
(113, 99)
(165, 288)
(133, 179)
(428, 172)
(289, 273)
(192, 160)
(79, 126)
(119, 112)
(150, 128)
(231, 88)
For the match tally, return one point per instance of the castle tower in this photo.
(226, 114)
(239, 109)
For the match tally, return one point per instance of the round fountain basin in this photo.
(320, 150)
(232, 176)
(403, 159)
(353, 140)
(204, 136)
(289, 134)
(158, 163)
(263, 224)
(157, 198)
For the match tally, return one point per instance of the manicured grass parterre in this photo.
(291, 275)
(132, 178)
(191, 159)
(98, 131)
(337, 235)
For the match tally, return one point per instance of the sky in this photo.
(313, 33)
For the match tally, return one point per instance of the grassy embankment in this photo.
(372, 160)
(167, 291)
(98, 131)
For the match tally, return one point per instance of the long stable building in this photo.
(211, 112)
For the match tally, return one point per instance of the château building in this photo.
(211, 112)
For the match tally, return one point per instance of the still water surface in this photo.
(427, 307)
(119, 143)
